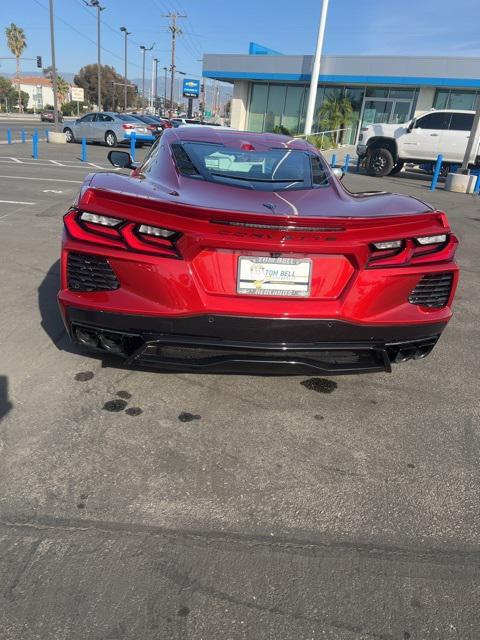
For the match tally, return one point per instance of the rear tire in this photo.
(397, 168)
(69, 135)
(111, 139)
(379, 162)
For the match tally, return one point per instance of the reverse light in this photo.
(158, 232)
(104, 221)
(389, 244)
(432, 239)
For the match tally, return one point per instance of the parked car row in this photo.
(112, 129)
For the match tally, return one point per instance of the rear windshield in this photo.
(262, 170)
(127, 118)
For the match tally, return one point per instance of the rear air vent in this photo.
(90, 273)
(433, 290)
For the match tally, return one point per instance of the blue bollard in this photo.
(84, 149)
(9, 136)
(477, 185)
(346, 163)
(35, 133)
(436, 173)
(24, 136)
(333, 161)
(46, 135)
(35, 146)
(133, 140)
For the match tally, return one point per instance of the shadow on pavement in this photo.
(51, 321)
(5, 404)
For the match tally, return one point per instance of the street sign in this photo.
(78, 94)
(191, 88)
(207, 114)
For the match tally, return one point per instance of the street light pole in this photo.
(155, 89)
(54, 68)
(99, 8)
(312, 96)
(126, 33)
(144, 50)
(165, 92)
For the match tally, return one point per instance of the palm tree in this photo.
(17, 42)
(62, 89)
(336, 113)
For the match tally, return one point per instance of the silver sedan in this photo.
(105, 126)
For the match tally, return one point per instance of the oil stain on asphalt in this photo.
(115, 405)
(84, 376)
(320, 385)
(188, 417)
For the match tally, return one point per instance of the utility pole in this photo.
(312, 96)
(174, 30)
(144, 49)
(99, 8)
(126, 33)
(54, 68)
(165, 93)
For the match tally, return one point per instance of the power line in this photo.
(80, 33)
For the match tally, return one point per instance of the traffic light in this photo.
(39, 62)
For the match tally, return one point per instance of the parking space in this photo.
(205, 506)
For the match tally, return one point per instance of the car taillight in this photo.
(151, 127)
(128, 126)
(421, 249)
(121, 234)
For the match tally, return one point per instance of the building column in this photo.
(238, 110)
(425, 99)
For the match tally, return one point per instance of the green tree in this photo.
(17, 43)
(335, 113)
(9, 95)
(112, 87)
(62, 85)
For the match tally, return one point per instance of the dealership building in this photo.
(271, 89)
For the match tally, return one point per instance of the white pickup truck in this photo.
(384, 148)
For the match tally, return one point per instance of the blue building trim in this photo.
(256, 49)
(408, 81)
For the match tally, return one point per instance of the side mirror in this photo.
(410, 126)
(338, 172)
(121, 159)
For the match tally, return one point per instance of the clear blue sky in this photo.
(407, 27)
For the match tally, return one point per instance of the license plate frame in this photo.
(294, 285)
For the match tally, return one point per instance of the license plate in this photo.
(266, 276)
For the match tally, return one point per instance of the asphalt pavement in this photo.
(139, 505)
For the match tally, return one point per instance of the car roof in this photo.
(447, 111)
(230, 137)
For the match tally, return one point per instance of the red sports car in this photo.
(231, 251)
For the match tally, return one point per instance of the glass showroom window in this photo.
(258, 105)
(293, 117)
(275, 106)
(455, 99)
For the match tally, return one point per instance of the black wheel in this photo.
(379, 163)
(397, 168)
(69, 135)
(110, 139)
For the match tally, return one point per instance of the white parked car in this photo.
(386, 147)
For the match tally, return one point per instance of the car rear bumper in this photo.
(233, 344)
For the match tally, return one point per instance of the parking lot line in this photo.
(42, 179)
(16, 202)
